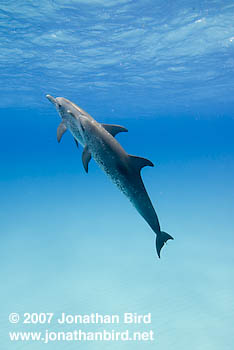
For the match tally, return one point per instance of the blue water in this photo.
(71, 242)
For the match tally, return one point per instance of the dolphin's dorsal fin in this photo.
(139, 162)
(61, 130)
(86, 156)
(114, 129)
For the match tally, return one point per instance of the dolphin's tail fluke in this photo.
(161, 238)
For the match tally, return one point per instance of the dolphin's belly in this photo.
(115, 164)
(112, 162)
(74, 129)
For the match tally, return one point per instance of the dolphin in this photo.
(100, 144)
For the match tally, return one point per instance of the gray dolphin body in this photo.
(123, 169)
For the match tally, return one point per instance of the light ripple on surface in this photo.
(77, 45)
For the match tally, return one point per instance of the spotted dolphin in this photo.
(100, 144)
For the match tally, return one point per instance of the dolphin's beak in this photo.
(51, 99)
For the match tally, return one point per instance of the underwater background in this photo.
(70, 241)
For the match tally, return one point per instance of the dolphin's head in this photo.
(62, 105)
(65, 107)
(70, 113)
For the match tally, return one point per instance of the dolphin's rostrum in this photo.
(100, 144)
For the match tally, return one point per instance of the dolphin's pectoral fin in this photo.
(86, 156)
(114, 129)
(77, 144)
(61, 130)
(139, 162)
